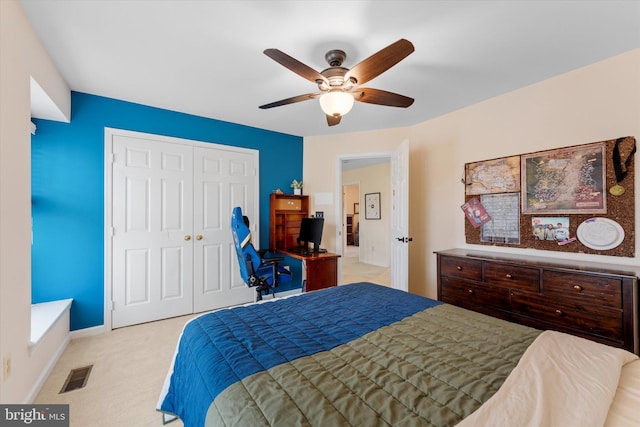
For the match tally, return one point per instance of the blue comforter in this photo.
(221, 348)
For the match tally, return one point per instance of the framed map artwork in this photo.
(565, 181)
(493, 176)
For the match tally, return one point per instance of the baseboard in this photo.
(47, 371)
(88, 332)
(287, 293)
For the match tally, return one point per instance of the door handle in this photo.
(404, 239)
(187, 237)
(199, 237)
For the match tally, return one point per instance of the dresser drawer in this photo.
(461, 267)
(585, 289)
(589, 319)
(525, 278)
(470, 293)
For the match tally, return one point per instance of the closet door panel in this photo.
(218, 176)
(152, 254)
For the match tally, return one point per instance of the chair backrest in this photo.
(242, 241)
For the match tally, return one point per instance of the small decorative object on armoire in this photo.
(297, 187)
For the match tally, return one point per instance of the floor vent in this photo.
(77, 379)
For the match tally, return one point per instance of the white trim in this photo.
(42, 378)
(288, 293)
(44, 315)
(109, 133)
(89, 332)
(49, 339)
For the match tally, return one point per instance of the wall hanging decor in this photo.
(372, 206)
(568, 180)
(572, 199)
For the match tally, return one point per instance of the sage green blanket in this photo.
(433, 368)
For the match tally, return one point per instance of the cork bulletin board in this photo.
(571, 199)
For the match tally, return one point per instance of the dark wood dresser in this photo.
(597, 301)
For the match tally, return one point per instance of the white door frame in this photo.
(339, 208)
(399, 244)
(109, 133)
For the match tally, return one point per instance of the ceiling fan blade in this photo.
(380, 61)
(295, 65)
(381, 97)
(333, 120)
(291, 100)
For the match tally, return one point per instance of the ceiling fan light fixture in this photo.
(336, 103)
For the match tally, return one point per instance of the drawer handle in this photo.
(471, 292)
(577, 288)
(559, 313)
(508, 276)
(459, 268)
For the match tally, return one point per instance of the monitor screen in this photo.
(311, 232)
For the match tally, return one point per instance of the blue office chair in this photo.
(257, 270)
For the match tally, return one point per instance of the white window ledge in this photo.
(44, 315)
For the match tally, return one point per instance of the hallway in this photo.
(355, 271)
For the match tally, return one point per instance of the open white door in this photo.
(400, 217)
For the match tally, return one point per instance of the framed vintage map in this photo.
(566, 181)
(493, 176)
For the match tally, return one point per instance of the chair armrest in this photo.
(272, 260)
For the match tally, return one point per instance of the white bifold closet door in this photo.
(171, 247)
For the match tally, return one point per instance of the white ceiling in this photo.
(205, 57)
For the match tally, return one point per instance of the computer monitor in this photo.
(311, 232)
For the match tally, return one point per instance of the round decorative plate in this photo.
(600, 233)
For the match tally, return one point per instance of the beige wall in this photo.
(594, 103)
(374, 233)
(322, 156)
(21, 57)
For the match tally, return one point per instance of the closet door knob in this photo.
(199, 237)
(187, 237)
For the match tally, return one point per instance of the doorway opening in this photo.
(364, 243)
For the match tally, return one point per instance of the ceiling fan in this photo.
(339, 86)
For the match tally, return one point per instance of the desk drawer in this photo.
(524, 278)
(581, 288)
(461, 267)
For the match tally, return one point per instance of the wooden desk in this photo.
(321, 269)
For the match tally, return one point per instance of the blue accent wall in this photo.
(68, 190)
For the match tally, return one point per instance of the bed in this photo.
(364, 354)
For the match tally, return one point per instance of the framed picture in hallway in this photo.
(372, 206)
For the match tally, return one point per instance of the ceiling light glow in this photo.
(336, 103)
